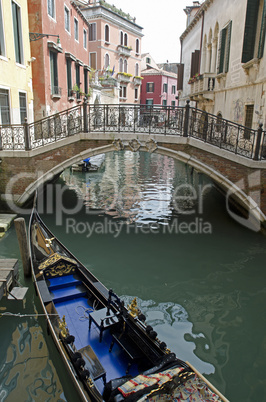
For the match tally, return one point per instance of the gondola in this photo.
(108, 350)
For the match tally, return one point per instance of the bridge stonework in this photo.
(22, 171)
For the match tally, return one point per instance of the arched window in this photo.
(137, 46)
(137, 70)
(125, 39)
(106, 61)
(125, 66)
(107, 34)
(120, 65)
(121, 38)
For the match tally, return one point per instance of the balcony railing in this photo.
(124, 50)
(203, 84)
(123, 77)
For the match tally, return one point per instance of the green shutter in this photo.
(228, 44)
(250, 30)
(222, 41)
(262, 32)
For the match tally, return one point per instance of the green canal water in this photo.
(149, 227)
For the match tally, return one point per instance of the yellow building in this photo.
(16, 96)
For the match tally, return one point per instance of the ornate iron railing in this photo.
(178, 121)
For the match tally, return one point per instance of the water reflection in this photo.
(27, 372)
(138, 187)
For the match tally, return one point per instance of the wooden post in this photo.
(258, 144)
(21, 232)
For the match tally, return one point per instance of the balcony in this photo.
(124, 77)
(202, 87)
(124, 50)
(137, 80)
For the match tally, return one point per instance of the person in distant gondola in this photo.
(87, 164)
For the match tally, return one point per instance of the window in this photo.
(54, 73)
(76, 29)
(164, 102)
(121, 38)
(85, 39)
(93, 62)
(173, 104)
(17, 33)
(4, 107)
(149, 102)
(51, 8)
(22, 107)
(125, 39)
(2, 40)
(255, 27)
(137, 46)
(92, 32)
(123, 91)
(107, 33)
(136, 93)
(137, 70)
(148, 60)
(173, 89)
(165, 88)
(69, 76)
(224, 49)
(125, 66)
(106, 61)
(150, 87)
(67, 19)
(248, 120)
(120, 65)
(78, 78)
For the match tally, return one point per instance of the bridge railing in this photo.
(151, 119)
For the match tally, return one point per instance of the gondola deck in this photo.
(104, 344)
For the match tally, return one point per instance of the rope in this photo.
(86, 312)
(8, 314)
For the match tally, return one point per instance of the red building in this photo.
(60, 61)
(159, 87)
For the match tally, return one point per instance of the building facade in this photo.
(159, 87)
(223, 60)
(114, 47)
(60, 48)
(16, 95)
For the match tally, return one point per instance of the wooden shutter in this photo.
(195, 57)
(180, 76)
(262, 32)
(221, 51)
(250, 30)
(228, 44)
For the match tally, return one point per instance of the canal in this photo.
(150, 227)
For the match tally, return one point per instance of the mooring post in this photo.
(21, 232)
(186, 119)
(258, 143)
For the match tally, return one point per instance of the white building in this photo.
(223, 60)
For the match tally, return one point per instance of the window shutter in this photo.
(228, 44)
(180, 77)
(221, 51)
(262, 32)
(250, 30)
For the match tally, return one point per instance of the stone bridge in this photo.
(232, 156)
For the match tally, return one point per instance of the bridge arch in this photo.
(231, 190)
